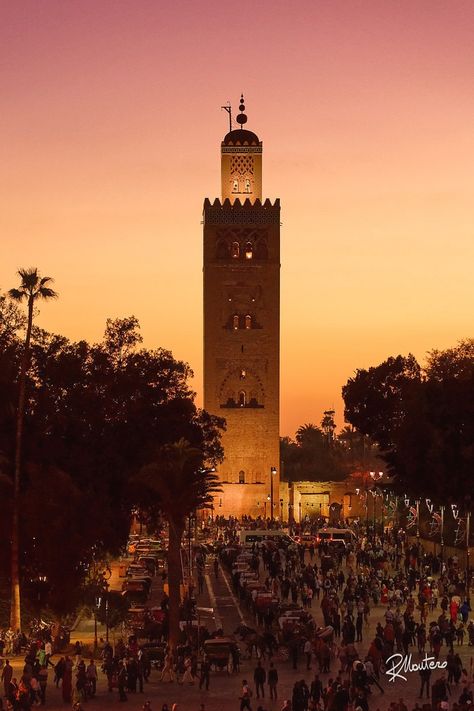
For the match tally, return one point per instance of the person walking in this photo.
(260, 677)
(7, 673)
(67, 680)
(91, 675)
(205, 673)
(122, 682)
(425, 675)
(245, 697)
(272, 681)
(43, 682)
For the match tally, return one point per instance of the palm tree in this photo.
(32, 288)
(176, 478)
(308, 434)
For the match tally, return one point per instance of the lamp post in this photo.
(468, 534)
(273, 471)
(418, 524)
(190, 552)
(382, 512)
(106, 585)
(441, 526)
(299, 506)
(281, 511)
(375, 476)
(374, 494)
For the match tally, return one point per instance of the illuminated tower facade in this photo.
(242, 327)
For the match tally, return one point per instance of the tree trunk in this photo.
(15, 610)
(174, 579)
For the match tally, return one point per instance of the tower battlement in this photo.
(246, 212)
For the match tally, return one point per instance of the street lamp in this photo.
(418, 525)
(375, 476)
(281, 511)
(468, 568)
(273, 471)
(382, 513)
(442, 532)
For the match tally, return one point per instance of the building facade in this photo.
(242, 328)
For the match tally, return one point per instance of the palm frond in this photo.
(46, 293)
(17, 294)
(29, 277)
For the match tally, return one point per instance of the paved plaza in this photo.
(225, 688)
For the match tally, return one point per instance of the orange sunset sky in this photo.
(111, 128)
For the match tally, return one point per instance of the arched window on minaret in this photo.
(235, 250)
(235, 186)
(248, 321)
(248, 186)
(235, 322)
(241, 477)
(242, 398)
(249, 250)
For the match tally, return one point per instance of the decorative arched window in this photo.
(248, 321)
(235, 186)
(241, 477)
(248, 250)
(235, 250)
(247, 186)
(242, 398)
(235, 322)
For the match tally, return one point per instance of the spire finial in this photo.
(241, 118)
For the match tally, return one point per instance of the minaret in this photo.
(242, 327)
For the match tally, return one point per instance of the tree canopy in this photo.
(95, 414)
(317, 454)
(422, 418)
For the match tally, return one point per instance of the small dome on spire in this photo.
(241, 118)
(241, 136)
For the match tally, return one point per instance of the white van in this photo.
(248, 538)
(336, 536)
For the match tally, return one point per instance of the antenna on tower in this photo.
(228, 108)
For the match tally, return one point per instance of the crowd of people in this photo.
(337, 654)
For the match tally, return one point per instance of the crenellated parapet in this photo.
(246, 212)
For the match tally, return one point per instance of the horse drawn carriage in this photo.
(220, 652)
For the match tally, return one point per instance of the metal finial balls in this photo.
(241, 118)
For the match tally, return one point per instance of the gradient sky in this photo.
(111, 128)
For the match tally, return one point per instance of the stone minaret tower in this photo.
(242, 327)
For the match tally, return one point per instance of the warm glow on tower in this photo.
(241, 163)
(242, 327)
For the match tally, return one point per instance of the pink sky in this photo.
(111, 128)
